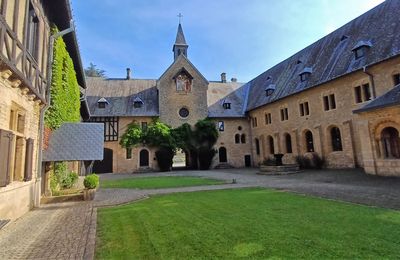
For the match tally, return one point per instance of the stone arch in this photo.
(378, 129)
(390, 143)
(308, 140)
(243, 138)
(287, 138)
(222, 153)
(144, 158)
(335, 138)
(270, 144)
(237, 138)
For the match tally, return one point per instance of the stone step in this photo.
(224, 166)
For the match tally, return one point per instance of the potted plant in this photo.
(91, 182)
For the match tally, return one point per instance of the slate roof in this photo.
(76, 142)
(180, 37)
(120, 95)
(230, 92)
(332, 57)
(390, 98)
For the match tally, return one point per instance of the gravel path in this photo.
(68, 230)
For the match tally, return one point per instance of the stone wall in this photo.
(235, 151)
(319, 122)
(171, 101)
(19, 196)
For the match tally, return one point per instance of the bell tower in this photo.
(180, 46)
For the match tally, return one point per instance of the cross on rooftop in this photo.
(180, 17)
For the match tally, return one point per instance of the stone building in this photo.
(338, 98)
(24, 77)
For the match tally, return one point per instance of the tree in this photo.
(92, 71)
(132, 136)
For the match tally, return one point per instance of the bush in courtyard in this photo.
(91, 181)
(68, 180)
(164, 158)
(318, 162)
(205, 157)
(303, 162)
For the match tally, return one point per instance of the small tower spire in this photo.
(180, 46)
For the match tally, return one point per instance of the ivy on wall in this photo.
(65, 96)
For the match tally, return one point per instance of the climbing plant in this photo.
(64, 90)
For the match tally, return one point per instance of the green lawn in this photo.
(158, 182)
(246, 223)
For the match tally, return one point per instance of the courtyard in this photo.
(228, 211)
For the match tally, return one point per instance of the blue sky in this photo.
(240, 37)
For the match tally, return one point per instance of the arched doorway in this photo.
(144, 158)
(222, 155)
(180, 159)
(106, 165)
(391, 142)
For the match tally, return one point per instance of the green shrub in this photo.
(164, 158)
(205, 158)
(318, 162)
(91, 181)
(315, 162)
(303, 162)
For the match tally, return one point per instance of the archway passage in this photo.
(180, 159)
(106, 165)
(390, 142)
(223, 158)
(144, 158)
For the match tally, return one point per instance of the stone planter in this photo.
(279, 170)
(88, 194)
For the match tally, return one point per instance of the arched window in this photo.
(243, 138)
(288, 143)
(309, 141)
(271, 145)
(237, 138)
(257, 146)
(336, 139)
(390, 142)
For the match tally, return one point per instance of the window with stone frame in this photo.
(329, 102)
(336, 139)
(288, 143)
(237, 138)
(362, 93)
(268, 118)
(304, 109)
(284, 114)
(129, 153)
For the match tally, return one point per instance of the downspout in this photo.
(371, 79)
(48, 96)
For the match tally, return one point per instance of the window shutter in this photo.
(29, 160)
(6, 139)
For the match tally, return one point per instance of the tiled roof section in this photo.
(120, 94)
(390, 98)
(332, 57)
(76, 142)
(231, 92)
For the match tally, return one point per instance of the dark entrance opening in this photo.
(222, 155)
(247, 160)
(144, 158)
(106, 165)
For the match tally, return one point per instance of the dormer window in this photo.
(226, 104)
(269, 90)
(361, 48)
(305, 74)
(102, 102)
(137, 102)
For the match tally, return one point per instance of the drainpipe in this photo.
(48, 96)
(371, 79)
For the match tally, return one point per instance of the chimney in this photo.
(128, 73)
(223, 77)
(234, 79)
